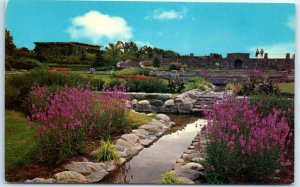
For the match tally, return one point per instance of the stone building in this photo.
(66, 52)
(238, 61)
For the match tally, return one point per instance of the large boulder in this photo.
(96, 176)
(169, 103)
(163, 117)
(188, 173)
(70, 177)
(194, 166)
(131, 138)
(150, 128)
(134, 102)
(144, 102)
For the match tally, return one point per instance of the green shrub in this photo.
(26, 63)
(269, 102)
(107, 152)
(198, 83)
(115, 83)
(24, 82)
(126, 72)
(170, 178)
(175, 86)
(108, 68)
(11, 96)
(147, 85)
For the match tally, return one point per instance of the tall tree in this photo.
(99, 59)
(10, 47)
(112, 54)
(156, 61)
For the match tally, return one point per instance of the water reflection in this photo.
(151, 162)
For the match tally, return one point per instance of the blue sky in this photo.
(199, 28)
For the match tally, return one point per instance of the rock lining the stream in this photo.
(128, 145)
(189, 167)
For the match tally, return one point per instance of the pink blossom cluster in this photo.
(60, 112)
(238, 125)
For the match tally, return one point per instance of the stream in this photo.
(153, 161)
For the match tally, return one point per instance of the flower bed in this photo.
(243, 143)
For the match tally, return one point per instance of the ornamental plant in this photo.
(242, 143)
(112, 118)
(61, 120)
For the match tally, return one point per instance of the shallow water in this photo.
(152, 162)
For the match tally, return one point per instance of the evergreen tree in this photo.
(156, 61)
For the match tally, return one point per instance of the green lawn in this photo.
(138, 119)
(106, 78)
(19, 140)
(286, 87)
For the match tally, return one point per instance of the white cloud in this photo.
(160, 14)
(99, 27)
(141, 44)
(277, 50)
(291, 22)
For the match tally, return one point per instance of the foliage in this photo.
(174, 66)
(61, 121)
(18, 100)
(99, 60)
(234, 86)
(198, 83)
(108, 68)
(19, 141)
(271, 101)
(146, 85)
(175, 86)
(268, 88)
(111, 117)
(115, 83)
(170, 178)
(156, 61)
(22, 63)
(107, 152)
(244, 144)
(10, 47)
(137, 119)
(126, 72)
(253, 87)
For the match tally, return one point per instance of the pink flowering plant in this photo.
(113, 116)
(65, 118)
(244, 144)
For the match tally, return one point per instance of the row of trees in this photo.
(110, 56)
(119, 51)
